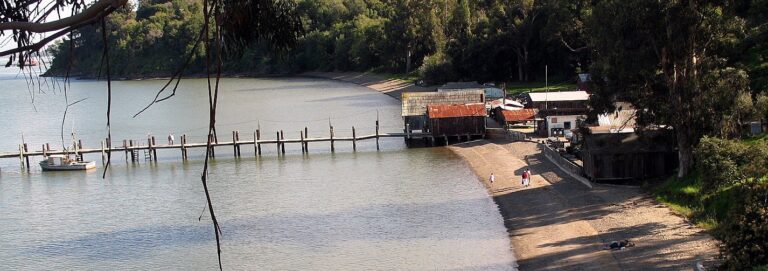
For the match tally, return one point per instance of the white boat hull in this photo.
(70, 166)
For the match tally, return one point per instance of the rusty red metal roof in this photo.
(518, 115)
(456, 110)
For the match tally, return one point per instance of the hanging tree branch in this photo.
(109, 94)
(94, 11)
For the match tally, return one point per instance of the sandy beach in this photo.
(558, 223)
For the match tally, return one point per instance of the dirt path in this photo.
(560, 224)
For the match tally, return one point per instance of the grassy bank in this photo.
(726, 195)
(686, 197)
(516, 88)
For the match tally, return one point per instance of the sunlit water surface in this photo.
(393, 209)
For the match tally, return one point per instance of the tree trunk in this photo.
(685, 152)
(525, 63)
(519, 65)
(408, 61)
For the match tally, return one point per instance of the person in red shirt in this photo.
(526, 177)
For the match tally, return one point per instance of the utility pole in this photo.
(546, 88)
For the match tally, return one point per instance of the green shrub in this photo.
(719, 161)
(437, 69)
(745, 232)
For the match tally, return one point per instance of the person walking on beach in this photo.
(492, 178)
(526, 177)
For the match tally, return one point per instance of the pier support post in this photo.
(103, 154)
(407, 131)
(21, 155)
(237, 138)
(234, 144)
(258, 145)
(125, 148)
(306, 143)
(133, 154)
(149, 147)
(333, 148)
(154, 149)
(377, 135)
(354, 139)
(301, 133)
(26, 157)
(79, 147)
(184, 147)
(211, 140)
(282, 145)
(277, 135)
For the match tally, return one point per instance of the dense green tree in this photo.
(663, 57)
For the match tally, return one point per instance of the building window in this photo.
(554, 120)
(567, 125)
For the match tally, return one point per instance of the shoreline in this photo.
(557, 223)
(391, 87)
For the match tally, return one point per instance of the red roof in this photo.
(518, 115)
(456, 110)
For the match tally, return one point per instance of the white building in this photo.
(562, 125)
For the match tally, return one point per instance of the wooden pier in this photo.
(131, 148)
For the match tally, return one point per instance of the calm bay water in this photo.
(394, 209)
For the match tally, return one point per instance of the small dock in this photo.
(259, 141)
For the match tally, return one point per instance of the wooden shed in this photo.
(415, 104)
(457, 120)
(624, 156)
(514, 116)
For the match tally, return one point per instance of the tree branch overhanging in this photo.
(94, 11)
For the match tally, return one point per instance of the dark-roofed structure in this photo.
(491, 92)
(611, 157)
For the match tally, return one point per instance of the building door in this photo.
(567, 125)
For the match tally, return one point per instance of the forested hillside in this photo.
(441, 40)
(444, 39)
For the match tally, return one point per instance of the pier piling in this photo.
(333, 149)
(258, 145)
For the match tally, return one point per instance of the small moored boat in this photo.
(62, 162)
